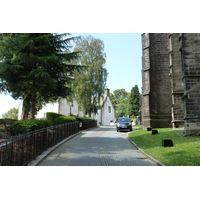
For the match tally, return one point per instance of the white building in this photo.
(105, 113)
(104, 116)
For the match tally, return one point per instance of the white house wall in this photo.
(64, 108)
(49, 107)
(103, 116)
(106, 116)
(97, 117)
(20, 110)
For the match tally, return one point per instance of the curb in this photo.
(150, 157)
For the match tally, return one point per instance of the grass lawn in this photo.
(185, 152)
(137, 126)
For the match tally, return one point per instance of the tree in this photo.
(36, 68)
(90, 81)
(119, 99)
(134, 102)
(11, 114)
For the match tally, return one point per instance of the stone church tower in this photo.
(190, 55)
(156, 86)
(176, 76)
(171, 81)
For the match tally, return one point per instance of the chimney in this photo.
(107, 92)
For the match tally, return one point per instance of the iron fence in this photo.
(22, 149)
(87, 124)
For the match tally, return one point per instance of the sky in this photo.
(123, 63)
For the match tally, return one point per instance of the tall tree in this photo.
(35, 67)
(119, 99)
(90, 81)
(134, 102)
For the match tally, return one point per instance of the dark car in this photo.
(124, 123)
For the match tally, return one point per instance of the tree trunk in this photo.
(25, 114)
(33, 107)
(25, 109)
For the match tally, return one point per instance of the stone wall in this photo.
(190, 50)
(171, 81)
(156, 90)
(176, 81)
(145, 111)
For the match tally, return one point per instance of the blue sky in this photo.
(123, 63)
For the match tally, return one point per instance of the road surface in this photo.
(101, 146)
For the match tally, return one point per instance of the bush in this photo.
(2, 121)
(24, 126)
(63, 119)
(82, 119)
(51, 116)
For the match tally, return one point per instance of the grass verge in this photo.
(137, 126)
(185, 152)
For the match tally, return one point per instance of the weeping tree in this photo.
(90, 80)
(36, 67)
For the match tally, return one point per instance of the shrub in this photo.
(24, 126)
(63, 119)
(82, 119)
(2, 121)
(51, 116)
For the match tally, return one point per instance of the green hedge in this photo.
(52, 116)
(64, 119)
(81, 119)
(24, 126)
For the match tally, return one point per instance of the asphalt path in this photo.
(101, 146)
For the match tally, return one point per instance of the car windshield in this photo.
(124, 119)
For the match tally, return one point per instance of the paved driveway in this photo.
(97, 147)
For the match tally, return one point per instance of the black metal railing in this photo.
(87, 124)
(22, 149)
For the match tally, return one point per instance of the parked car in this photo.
(124, 123)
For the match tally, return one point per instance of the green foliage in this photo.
(81, 119)
(90, 80)
(24, 126)
(55, 118)
(52, 116)
(63, 119)
(185, 152)
(11, 114)
(119, 100)
(2, 121)
(36, 67)
(134, 102)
